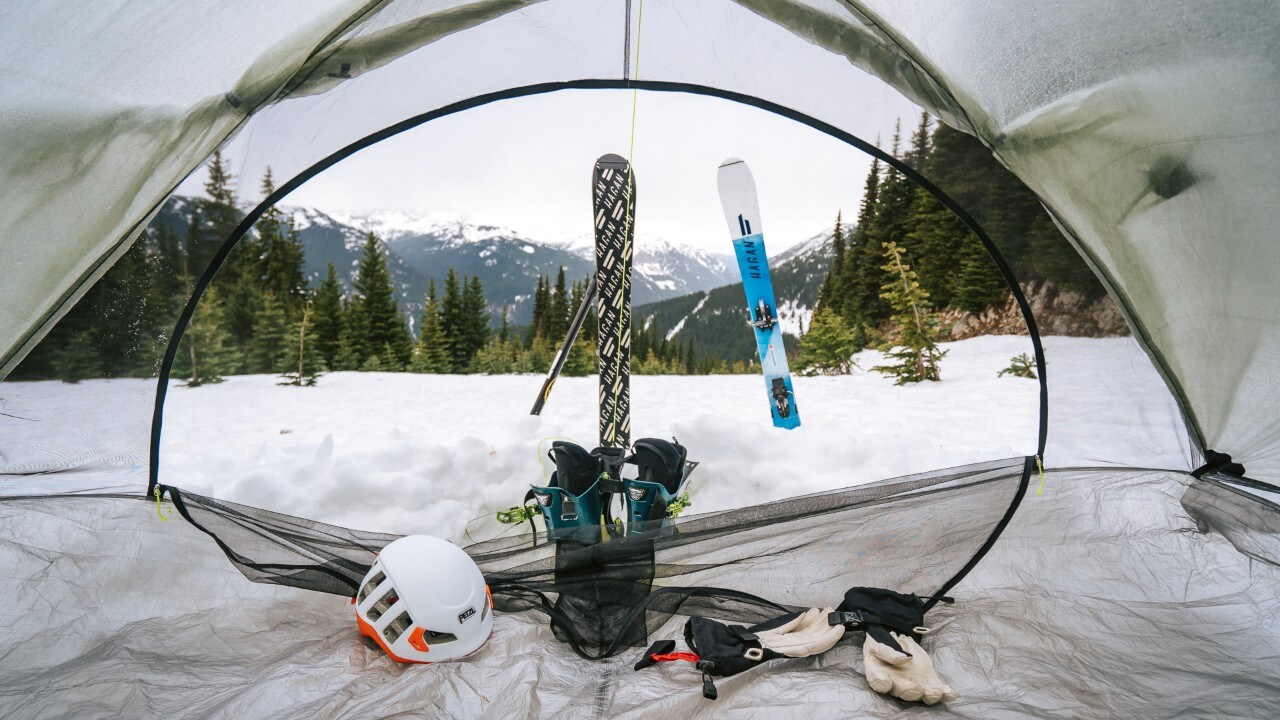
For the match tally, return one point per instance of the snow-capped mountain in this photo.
(508, 262)
(679, 269)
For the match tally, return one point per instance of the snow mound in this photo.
(431, 453)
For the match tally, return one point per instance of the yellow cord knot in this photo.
(158, 512)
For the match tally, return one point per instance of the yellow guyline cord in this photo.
(626, 228)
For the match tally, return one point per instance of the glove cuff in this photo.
(881, 612)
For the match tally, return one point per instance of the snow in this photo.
(817, 243)
(429, 453)
(652, 249)
(391, 225)
(794, 316)
(680, 325)
(303, 218)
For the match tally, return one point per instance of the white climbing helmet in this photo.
(424, 600)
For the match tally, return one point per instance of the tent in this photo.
(1147, 130)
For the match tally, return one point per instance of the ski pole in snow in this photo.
(569, 338)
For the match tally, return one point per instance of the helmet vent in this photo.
(436, 638)
(374, 582)
(384, 604)
(396, 628)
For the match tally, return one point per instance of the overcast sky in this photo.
(526, 164)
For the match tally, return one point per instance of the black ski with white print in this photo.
(614, 203)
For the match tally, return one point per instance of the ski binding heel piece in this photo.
(572, 500)
(764, 317)
(781, 397)
(646, 501)
(564, 512)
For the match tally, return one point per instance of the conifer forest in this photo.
(904, 259)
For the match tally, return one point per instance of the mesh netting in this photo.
(607, 589)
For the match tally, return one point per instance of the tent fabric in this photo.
(1143, 615)
(1148, 131)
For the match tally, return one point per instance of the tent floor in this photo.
(1101, 599)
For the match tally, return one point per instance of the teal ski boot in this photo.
(662, 467)
(573, 498)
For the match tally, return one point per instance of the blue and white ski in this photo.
(742, 212)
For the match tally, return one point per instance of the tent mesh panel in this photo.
(605, 591)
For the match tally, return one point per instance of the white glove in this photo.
(908, 677)
(808, 634)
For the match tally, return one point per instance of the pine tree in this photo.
(280, 259)
(829, 294)
(240, 277)
(895, 201)
(300, 360)
(453, 324)
(170, 278)
(640, 337)
(861, 259)
(652, 364)
(121, 330)
(558, 310)
(432, 352)
(827, 348)
(78, 358)
(979, 284)
(326, 318)
(354, 347)
(536, 324)
(270, 337)
(1020, 365)
(1053, 257)
(939, 239)
(870, 196)
(918, 154)
(913, 349)
(243, 300)
(504, 331)
(387, 335)
(213, 219)
(202, 356)
(283, 265)
(475, 320)
(582, 359)
(221, 193)
(536, 359)
(691, 357)
(497, 357)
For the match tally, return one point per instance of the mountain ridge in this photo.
(507, 261)
(716, 321)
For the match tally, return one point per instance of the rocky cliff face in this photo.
(1057, 312)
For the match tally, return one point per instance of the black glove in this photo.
(723, 650)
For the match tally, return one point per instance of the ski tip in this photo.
(731, 161)
(611, 161)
